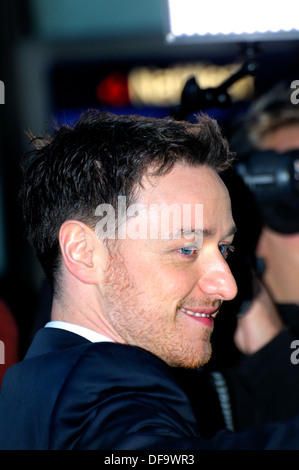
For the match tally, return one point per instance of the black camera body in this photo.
(273, 178)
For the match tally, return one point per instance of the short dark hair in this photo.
(100, 157)
(267, 113)
(270, 112)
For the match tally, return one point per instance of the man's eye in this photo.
(225, 250)
(188, 251)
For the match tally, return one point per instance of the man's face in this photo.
(281, 251)
(161, 293)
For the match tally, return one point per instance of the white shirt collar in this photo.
(91, 335)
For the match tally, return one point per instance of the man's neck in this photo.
(84, 317)
(90, 335)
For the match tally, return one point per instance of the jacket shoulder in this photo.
(126, 390)
(29, 391)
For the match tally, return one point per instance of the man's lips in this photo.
(203, 312)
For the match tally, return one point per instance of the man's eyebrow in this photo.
(189, 232)
(206, 232)
(231, 231)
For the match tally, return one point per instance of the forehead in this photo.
(283, 139)
(195, 198)
(185, 184)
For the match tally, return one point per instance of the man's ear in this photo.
(83, 253)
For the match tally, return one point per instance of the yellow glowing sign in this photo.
(163, 86)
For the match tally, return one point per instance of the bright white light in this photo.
(212, 17)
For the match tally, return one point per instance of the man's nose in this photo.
(217, 279)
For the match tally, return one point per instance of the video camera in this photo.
(273, 178)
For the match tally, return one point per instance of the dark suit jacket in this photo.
(69, 393)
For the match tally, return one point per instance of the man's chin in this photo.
(191, 361)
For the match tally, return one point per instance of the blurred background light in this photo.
(230, 20)
(163, 86)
